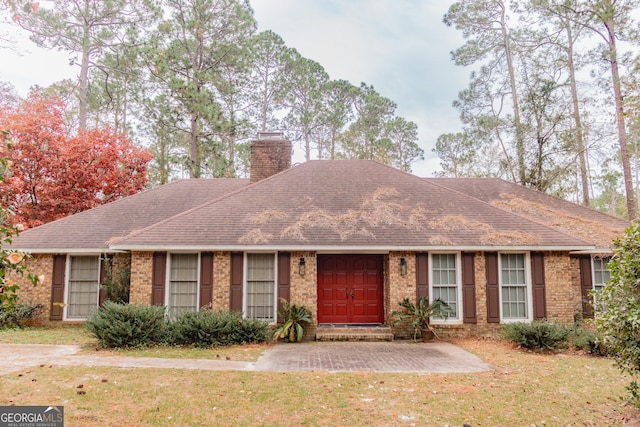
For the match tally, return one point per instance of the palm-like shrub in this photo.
(294, 318)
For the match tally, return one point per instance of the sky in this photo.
(402, 48)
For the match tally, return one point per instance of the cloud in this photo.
(402, 48)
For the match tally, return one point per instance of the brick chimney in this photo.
(270, 154)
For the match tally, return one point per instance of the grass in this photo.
(78, 335)
(524, 389)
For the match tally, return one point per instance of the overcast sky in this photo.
(402, 48)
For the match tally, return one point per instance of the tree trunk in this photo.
(620, 119)
(582, 152)
(522, 173)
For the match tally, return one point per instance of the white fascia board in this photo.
(347, 248)
(68, 250)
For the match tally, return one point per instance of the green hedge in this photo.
(126, 325)
(206, 328)
(537, 335)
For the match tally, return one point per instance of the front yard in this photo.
(525, 389)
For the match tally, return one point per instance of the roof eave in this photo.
(348, 248)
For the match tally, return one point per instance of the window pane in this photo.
(514, 286)
(601, 272)
(445, 280)
(183, 283)
(84, 278)
(261, 287)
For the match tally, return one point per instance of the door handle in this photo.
(353, 294)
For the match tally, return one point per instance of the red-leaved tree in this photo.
(54, 174)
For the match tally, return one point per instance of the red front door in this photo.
(350, 289)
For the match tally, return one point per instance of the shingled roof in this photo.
(95, 228)
(584, 223)
(343, 204)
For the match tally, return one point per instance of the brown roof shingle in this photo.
(584, 223)
(95, 228)
(346, 203)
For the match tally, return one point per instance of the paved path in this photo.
(325, 356)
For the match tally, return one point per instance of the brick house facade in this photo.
(368, 236)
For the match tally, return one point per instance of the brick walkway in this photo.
(317, 356)
(370, 357)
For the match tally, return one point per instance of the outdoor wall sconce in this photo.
(403, 267)
(302, 267)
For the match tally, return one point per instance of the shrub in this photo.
(19, 314)
(294, 320)
(617, 309)
(207, 328)
(537, 335)
(127, 325)
(585, 339)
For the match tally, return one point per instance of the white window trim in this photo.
(529, 291)
(167, 285)
(450, 320)
(67, 287)
(245, 269)
(593, 272)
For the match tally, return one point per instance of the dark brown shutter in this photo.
(422, 276)
(493, 287)
(158, 278)
(57, 287)
(206, 279)
(237, 266)
(538, 286)
(586, 285)
(469, 288)
(105, 265)
(284, 278)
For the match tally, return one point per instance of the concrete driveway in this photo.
(406, 357)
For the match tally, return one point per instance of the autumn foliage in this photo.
(54, 174)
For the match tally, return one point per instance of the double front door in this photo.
(350, 289)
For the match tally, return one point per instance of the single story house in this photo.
(349, 239)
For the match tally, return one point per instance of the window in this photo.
(260, 296)
(445, 282)
(601, 272)
(514, 287)
(183, 283)
(84, 285)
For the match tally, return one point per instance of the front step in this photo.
(354, 333)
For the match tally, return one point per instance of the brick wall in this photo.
(304, 289)
(39, 265)
(141, 269)
(563, 294)
(398, 287)
(269, 157)
(221, 280)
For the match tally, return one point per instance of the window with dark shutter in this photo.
(493, 287)
(158, 278)
(57, 287)
(586, 285)
(284, 278)
(206, 279)
(422, 276)
(469, 288)
(538, 286)
(237, 260)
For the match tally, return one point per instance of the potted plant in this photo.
(294, 318)
(419, 315)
